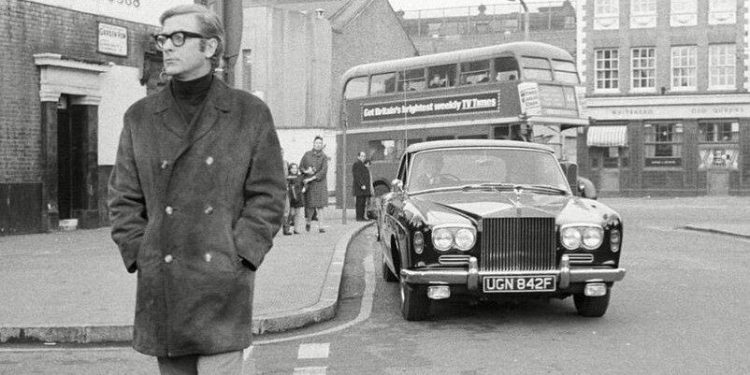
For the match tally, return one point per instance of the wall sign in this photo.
(113, 40)
(663, 162)
(431, 107)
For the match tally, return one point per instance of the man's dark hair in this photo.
(317, 137)
(209, 23)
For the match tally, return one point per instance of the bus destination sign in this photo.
(431, 107)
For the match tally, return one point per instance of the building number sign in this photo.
(133, 3)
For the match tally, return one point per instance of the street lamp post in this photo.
(525, 19)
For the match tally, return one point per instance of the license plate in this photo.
(511, 284)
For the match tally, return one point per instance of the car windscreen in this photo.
(431, 169)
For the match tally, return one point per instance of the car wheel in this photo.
(592, 307)
(414, 301)
(387, 274)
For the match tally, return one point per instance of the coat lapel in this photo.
(217, 102)
(206, 119)
(167, 109)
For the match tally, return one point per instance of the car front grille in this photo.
(518, 244)
(581, 258)
(454, 260)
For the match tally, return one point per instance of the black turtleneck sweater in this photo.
(190, 95)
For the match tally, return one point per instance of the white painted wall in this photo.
(121, 91)
(141, 11)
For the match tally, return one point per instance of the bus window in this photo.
(535, 68)
(356, 88)
(383, 83)
(440, 138)
(506, 69)
(475, 72)
(411, 80)
(475, 136)
(565, 71)
(385, 149)
(441, 76)
(412, 141)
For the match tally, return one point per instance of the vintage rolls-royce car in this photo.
(495, 219)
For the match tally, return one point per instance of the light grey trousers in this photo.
(231, 363)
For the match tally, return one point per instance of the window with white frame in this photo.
(643, 65)
(606, 14)
(683, 13)
(721, 66)
(722, 12)
(607, 69)
(642, 13)
(684, 68)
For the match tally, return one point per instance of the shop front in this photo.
(668, 146)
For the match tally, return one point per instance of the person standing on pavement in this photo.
(314, 165)
(196, 196)
(295, 191)
(360, 185)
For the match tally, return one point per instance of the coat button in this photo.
(209, 160)
(164, 164)
(207, 257)
(168, 258)
(208, 210)
(169, 210)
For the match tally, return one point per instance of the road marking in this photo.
(310, 370)
(310, 351)
(364, 311)
(63, 349)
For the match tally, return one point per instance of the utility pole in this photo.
(525, 19)
(230, 13)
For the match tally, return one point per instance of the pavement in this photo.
(72, 287)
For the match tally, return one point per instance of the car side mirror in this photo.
(397, 186)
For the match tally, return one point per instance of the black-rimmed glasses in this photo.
(177, 37)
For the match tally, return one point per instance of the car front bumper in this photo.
(471, 277)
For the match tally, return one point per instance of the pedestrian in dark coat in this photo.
(314, 166)
(196, 196)
(360, 185)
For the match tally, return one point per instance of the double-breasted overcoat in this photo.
(316, 195)
(194, 209)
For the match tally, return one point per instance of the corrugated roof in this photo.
(348, 12)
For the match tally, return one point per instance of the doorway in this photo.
(71, 157)
(607, 164)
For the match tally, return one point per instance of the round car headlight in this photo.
(464, 239)
(592, 237)
(442, 239)
(570, 238)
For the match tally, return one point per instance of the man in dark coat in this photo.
(360, 185)
(195, 197)
(314, 165)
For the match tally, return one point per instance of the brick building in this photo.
(68, 73)
(667, 91)
(294, 53)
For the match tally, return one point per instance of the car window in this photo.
(457, 167)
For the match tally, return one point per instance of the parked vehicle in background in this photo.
(495, 220)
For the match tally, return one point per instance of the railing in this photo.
(503, 17)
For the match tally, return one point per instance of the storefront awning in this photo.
(607, 136)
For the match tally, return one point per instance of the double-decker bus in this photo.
(507, 91)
